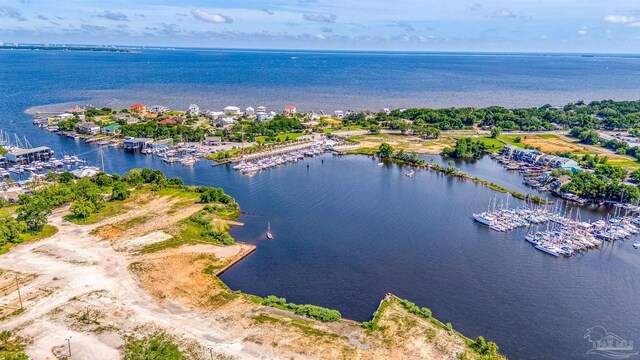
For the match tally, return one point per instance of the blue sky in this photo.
(474, 25)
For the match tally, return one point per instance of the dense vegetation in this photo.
(466, 148)
(602, 184)
(385, 151)
(88, 196)
(606, 114)
(150, 129)
(313, 311)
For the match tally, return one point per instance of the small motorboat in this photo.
(636, 245)
(269, 234)
(380, 164)
(410, 173)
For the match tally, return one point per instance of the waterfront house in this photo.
(88, 128)
(111, 130)
(194, 110)
(385, 110)
(138, 109)
(65, 116)
(136, 144)
(339, 114)
(225, 120)
(150, 116)
(249, 111)
(231, 110)
(290, 110)
(85, 172)
(159, 109)
(27, 156)
(261, 110)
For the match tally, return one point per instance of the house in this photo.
(27, 156)
(174, 120)
(261, 110)
(385, 110)
(225, 120)
(570, 165)
(111, 130)
(150, 116)
(212, 140)
(339, 114)
(214, 114)
(131, 120)
(88, 128)
(249, 111)
(159, 109)
(231, 110)
(194, 109)
(65, 116)
(290, 110)
(310, 124)
(138, 109)
(136, 144)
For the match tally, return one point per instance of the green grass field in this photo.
(47, 230)
(280, 138)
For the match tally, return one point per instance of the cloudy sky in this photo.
(421, 25)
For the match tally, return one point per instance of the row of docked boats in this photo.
(253, 166)
(563, 235)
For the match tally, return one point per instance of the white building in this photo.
(231, 110)
(386, 111)
(158, 109)
(249, 111)
(339, 114)
(194, 109)
(65, 116)
(261, 110)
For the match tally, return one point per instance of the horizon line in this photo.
(168, 47)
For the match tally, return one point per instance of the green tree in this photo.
(120, 191)
(385, 151)
(82, 209)
(374, 129)
(495, 132)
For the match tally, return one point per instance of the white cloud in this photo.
(583, 32)
(620, 19)
(210, 17)
(635, 24)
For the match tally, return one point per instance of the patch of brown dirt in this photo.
(550, 145)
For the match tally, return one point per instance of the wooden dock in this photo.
(243, 254)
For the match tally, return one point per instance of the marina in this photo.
(562, 234)
(270, 161)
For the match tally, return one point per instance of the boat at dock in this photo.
(410, 173)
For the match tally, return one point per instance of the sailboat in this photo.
(269, 234)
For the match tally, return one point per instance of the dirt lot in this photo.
(408, 143)
(100, 290)
(553, 144)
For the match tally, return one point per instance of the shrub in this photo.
(155, 346)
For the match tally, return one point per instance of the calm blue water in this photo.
(347, 231)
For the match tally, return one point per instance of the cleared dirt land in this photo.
(127, 275)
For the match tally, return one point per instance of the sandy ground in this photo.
(74, 266)
(97, 291)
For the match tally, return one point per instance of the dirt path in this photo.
(74, 264)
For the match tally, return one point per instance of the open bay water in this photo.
(347, 231)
